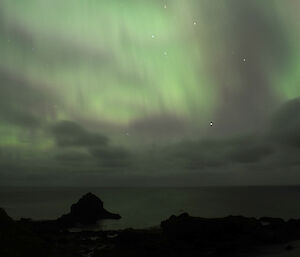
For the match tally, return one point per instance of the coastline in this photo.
(177, 236)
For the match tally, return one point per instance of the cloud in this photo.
(21, 103)
(278, 145)
(250, 158)
(95, 147)
(220, 153)
(249, 30)
(250, 150)
(73, 156)
(199, 155)
(285, 126)
(159, 125)
(69, 133)
(16, 32)
(111, 156)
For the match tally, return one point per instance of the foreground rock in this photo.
(237, 228)
(185, 227)
(5, 220)
(186, 236)
(88, 210)
(19, 240)
(178, 236)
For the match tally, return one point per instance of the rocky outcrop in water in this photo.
(88, 210)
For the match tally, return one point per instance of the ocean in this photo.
(147, 207)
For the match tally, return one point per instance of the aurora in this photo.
(128, 88)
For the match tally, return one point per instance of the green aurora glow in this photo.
(142, 71)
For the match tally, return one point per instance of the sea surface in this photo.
(147, 207)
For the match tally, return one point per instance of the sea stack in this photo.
(87, 211)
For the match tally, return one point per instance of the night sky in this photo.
(123, 93)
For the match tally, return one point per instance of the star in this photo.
(195, 23)
(244, 59)
(153, 36)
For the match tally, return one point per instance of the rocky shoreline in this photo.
(177, 236)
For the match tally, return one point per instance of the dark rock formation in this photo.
(274, 222)
(289, 247)
(241, 231)
(178, 236)
(18, 240)
(4, 218)
(186, 227)
(88, 210)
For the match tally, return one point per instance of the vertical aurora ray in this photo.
(104, 64)
(152, 72)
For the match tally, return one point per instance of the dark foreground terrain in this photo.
(181, 235)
